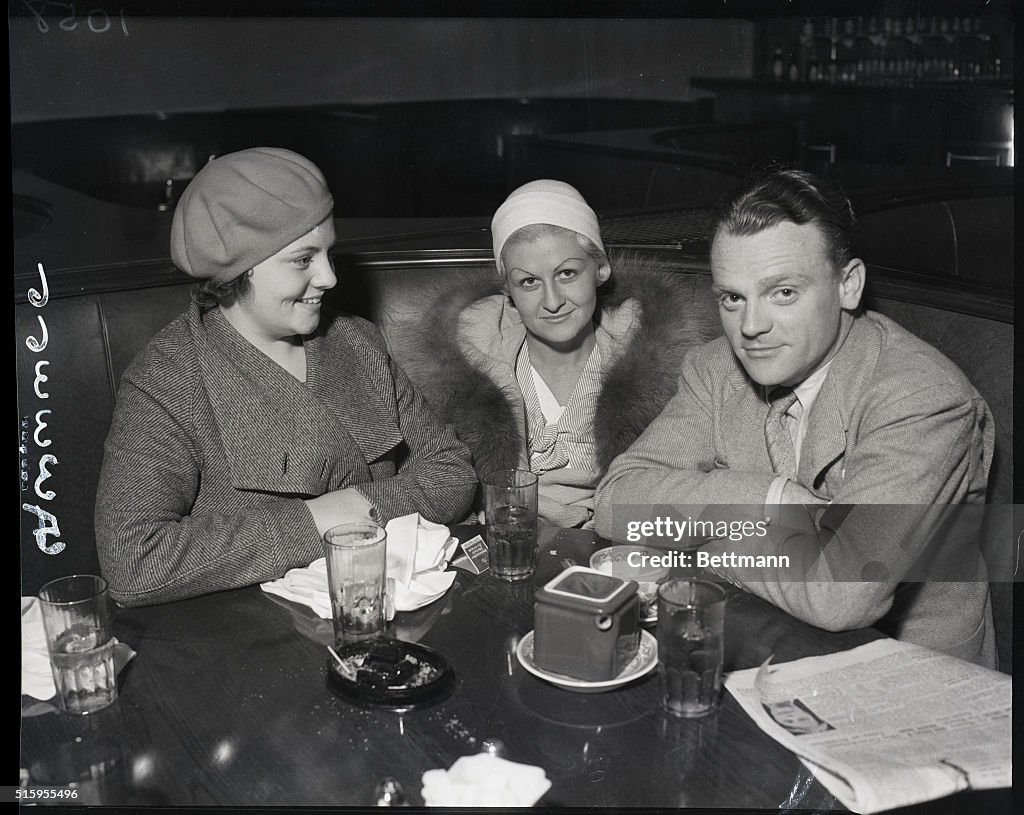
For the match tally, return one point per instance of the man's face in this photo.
(794, 719)
(781, 300)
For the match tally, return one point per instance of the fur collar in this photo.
(637, 386)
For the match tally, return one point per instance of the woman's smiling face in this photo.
(553, 282)
(287, 288)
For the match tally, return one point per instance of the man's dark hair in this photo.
(207, 295)
(780, 194)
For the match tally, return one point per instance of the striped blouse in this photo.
(568, 442)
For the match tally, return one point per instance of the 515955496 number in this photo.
(29, 794)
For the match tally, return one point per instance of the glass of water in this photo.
(79, 635)
(510, 507)
(357, 579)
(691, 617)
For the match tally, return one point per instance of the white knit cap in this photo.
(544, 202)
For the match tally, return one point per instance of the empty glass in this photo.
(357, 579)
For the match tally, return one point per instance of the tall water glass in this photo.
(78, 620)
(357, 579)
(510, 506)
(691, 617)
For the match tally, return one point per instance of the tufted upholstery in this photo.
(93, 335)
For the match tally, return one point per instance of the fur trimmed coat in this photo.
(445, 362)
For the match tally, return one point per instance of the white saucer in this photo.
(644, 662)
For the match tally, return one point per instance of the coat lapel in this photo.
(828, 427)
(825, 440)
(493, 345)
(741, 434)
(277, 436)
(353, 393)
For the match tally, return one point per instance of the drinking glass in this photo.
(510, 505)
(691, 616)
(77, 619)
(357, 579)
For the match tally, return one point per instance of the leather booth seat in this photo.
(962, 238)
(94, 331)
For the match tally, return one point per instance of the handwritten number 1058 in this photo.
(97, 19)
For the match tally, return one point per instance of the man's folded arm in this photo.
(888, 524)
(673, 461)
(845, 561)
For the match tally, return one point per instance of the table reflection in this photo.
(226, 704)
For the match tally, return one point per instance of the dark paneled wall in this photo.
(182, 64)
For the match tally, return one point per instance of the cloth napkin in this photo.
(418, 554)
(484, 780)
(36, 676)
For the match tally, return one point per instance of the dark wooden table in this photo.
(226, 705)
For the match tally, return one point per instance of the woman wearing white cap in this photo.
(561, 371)
(257, 420)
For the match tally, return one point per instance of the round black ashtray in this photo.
(387, 673)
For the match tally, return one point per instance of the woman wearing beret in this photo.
(559, 371)
(256, 420)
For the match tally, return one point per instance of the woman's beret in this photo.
(243, 208)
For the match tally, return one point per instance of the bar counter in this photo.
(226, 704)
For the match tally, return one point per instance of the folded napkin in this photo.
(417, 560)
(418, 554)
(36, 676)
(484, 780)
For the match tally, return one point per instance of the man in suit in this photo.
(846, 437)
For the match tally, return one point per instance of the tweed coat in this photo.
(213, 448)
(896, 436)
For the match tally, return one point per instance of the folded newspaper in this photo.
(887, 724)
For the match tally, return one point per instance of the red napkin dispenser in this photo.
(586, 624)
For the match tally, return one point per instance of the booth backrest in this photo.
(92, 336)
(969, 238)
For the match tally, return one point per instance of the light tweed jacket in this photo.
(896, 436)
(213, 446)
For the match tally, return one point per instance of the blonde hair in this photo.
(534, 232)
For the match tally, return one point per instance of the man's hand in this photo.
(345, 506)
(794, 493)
(796, 509)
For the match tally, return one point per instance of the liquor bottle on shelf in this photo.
(832, 69)
(806, 51)
(778, 66)
(813, 74)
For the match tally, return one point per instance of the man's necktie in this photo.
(776, 432)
